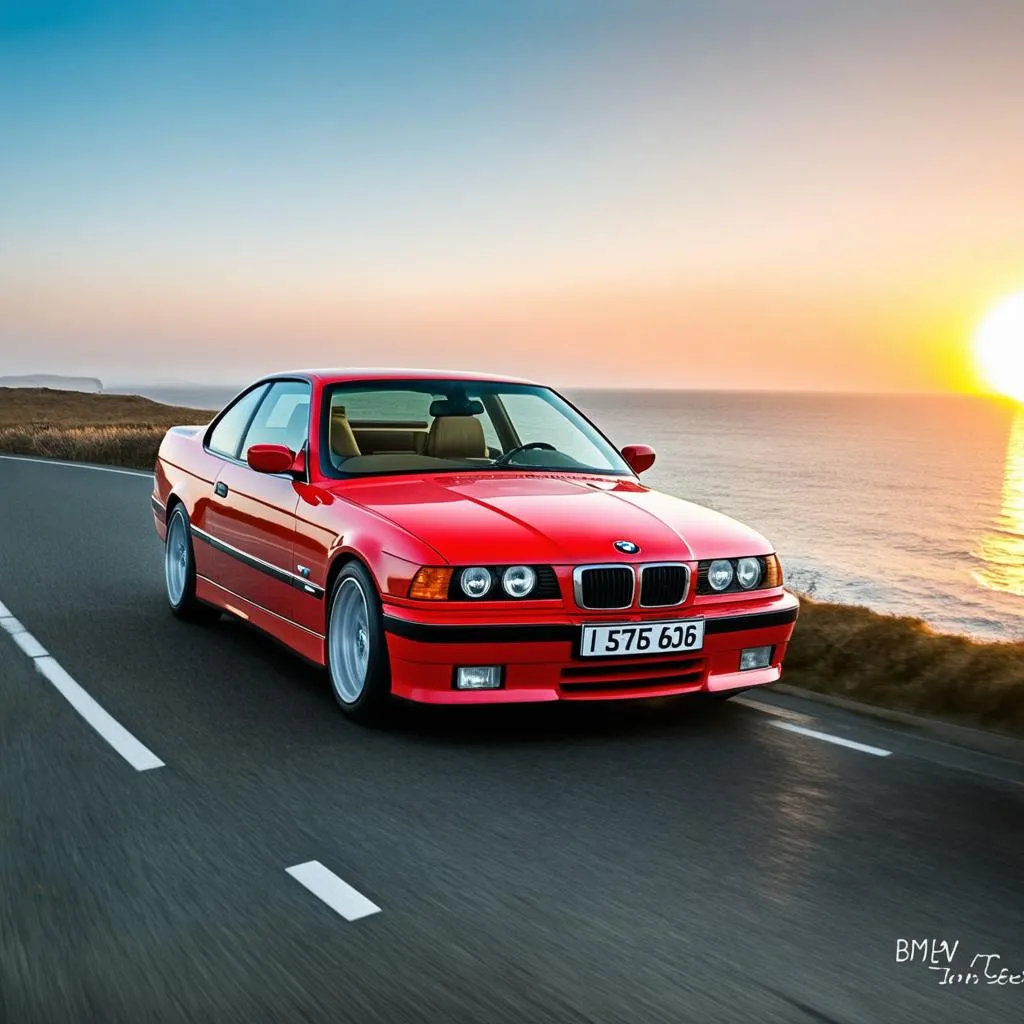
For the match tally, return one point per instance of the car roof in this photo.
(337, 375)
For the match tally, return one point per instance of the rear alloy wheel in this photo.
(180, 571)
(357, 656)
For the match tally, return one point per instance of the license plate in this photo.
(614, 640)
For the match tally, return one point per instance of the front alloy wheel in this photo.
(357, 657)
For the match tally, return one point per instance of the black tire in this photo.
(181, 594)
(355, 589)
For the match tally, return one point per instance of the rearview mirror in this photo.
(638, 457)
(270, 458)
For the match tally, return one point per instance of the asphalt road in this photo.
(608, 864)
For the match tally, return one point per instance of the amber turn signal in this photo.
(431, 584)
(772, 571)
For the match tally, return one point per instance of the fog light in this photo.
(478, 678)
(755, 657)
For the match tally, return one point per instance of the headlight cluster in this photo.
(722, 575)
(516, 580)
(493, 582)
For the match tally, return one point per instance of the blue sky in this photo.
(794, 193)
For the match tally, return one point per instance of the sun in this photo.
(999, 347)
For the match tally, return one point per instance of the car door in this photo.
(252, 514)
(223, 441)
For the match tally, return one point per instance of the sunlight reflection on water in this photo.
(1001, 549)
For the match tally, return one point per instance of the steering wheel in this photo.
(503, 460)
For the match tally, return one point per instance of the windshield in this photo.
(435, 426)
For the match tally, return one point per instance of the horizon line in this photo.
(122, 383)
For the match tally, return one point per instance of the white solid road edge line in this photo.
(770, 709)
(334, 891)
(829, 738)
(77, 465)
(140, 757)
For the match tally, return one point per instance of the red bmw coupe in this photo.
(456, 538)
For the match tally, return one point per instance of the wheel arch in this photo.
(343, 557)
(180, 495)
(173, 501)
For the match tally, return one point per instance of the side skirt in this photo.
(301, 641)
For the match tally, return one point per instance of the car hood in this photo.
(538, 518)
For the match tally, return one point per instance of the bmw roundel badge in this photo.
(627, 547)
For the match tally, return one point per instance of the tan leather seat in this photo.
(378, 440)
(343, 441)
(456, 437)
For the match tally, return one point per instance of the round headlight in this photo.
(720, 574)
(748, 572)
(518, 580)
(475, 582)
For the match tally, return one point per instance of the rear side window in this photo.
(283, 418)
(226, 436)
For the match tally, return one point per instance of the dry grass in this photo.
(130, 445)
(116, 430)
(898, 662)
(21, 406)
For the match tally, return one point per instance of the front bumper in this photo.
(541, 662)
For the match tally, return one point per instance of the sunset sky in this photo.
(822, 195)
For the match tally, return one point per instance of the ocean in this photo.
(907, 504)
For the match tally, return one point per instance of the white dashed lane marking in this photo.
(140, 757)
(334, 891)
(864, 748)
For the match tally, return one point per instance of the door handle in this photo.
(220, 489)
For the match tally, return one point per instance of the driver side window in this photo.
(283, 418)
(226, 436)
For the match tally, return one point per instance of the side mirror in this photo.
(638, 457)
(270, 458)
